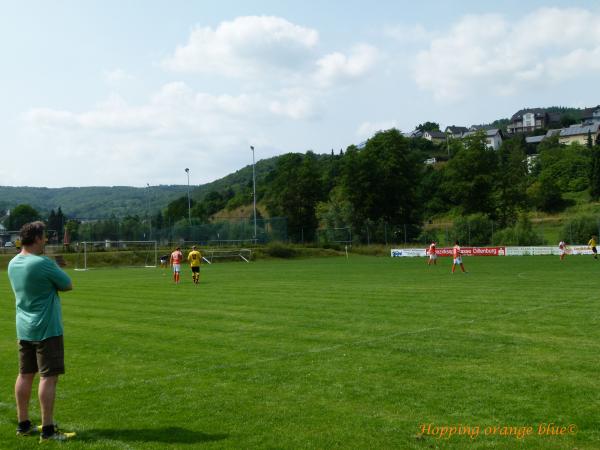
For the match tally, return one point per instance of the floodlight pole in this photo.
(148, 213)
(254, 190)
(189, 201)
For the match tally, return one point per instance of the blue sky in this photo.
(132, 92)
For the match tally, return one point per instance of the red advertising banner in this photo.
(473, 251)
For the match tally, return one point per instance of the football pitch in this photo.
(366, 353)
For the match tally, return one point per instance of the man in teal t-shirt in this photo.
(36, 281)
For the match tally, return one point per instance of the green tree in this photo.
(132, 229)
(381, 181)
(20, 215)
(567, 120)
(56, 222)
(334, 214)
(428, 126)
(296, 187)
(568, 165)
(469, 177)
(214, 202)
(510, 193)
(474, 229)
(200, 212)
(595, 173)
(178, 209)
(579, 229)
(72, 228)
(158, 221)
(431, 192)
(522, 233)
(545, 195)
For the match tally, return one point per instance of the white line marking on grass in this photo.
(184, 373)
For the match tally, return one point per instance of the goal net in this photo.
(94, 254)
(239, 254)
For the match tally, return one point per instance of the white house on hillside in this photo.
(434, 136)
(493, 137)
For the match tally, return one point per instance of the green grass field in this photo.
(325, 353)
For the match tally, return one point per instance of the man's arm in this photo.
(59, 278)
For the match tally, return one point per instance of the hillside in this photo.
(92, 202)
(237, 180)
(103, 201)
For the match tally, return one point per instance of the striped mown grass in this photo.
(325, 353)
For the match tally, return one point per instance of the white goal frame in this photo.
(209, 255)
(88, 246)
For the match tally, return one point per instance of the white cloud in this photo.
(116, 76)
(488, 54)
(295, 104)
(151, 139)
(119, 140)
(244, 47)
(408, 34)
(368, 129)
(338, 67)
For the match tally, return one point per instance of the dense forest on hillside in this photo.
(99, 202)
(381, 191)
(91, 202)
(385, 188)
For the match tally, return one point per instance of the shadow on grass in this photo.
(167, 435)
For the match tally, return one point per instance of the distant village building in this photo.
(580, 134)
(554, 132)
(434, 136)
(413, 134)
(535, 140)
(453, 131)
(493, 137)
(479, 128)
(591, 114)
(575, 133)
(528, 120)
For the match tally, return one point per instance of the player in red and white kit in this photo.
(432, 255)
(457, 254)
(562, 249)
(175, 262)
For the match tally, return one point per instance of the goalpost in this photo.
(222, 249)
(209, 255)
(93, 254)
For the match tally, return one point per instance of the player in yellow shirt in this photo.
(592, 245)
(195, 259)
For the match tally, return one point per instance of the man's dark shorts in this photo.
(594, 250)
(196, 269)
(46, 357)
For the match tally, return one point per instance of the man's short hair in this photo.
(194, 247)
(30, 231)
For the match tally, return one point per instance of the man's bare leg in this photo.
(47, 394)
(23, 394)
